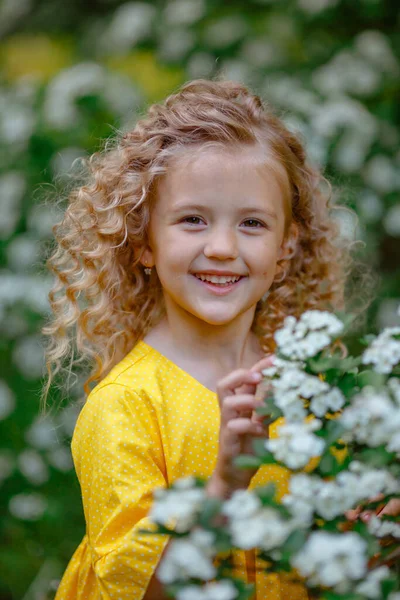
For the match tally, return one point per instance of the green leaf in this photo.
(247, 461)
(328, 464)
(267, 492)
(259, 447)
(210, 509)
(295, 541)
(376, 457)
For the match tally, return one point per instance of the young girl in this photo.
(192, 240)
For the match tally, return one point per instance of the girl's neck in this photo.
(220, 352)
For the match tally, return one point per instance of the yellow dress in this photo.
(145, 425)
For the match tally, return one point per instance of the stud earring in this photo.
(147, 270)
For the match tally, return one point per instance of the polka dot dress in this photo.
(145, 425)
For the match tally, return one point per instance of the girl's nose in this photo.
(222, 244)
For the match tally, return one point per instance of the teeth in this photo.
(215, 279)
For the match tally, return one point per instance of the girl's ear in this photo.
(289, 244)
(146, 257)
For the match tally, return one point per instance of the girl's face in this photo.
(216, 213)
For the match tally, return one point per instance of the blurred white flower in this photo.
(183, 12)
(42, 218)
(27, 507)
(384, 351)
(189, 557)
(347, 220)
(262, 52)
(225, 31)
(42, 434)
(316, 6)
(296, 444)
(371, 586)
(17, 123)
(131, 23)
(67, 417)
(200, 64)
(391, 221)
(381, 174)
(242, 504)
(330, 117)
(375, 47)
(175, 44)
(28, 356)
(372, 418)
(33, 467)
(236, 70)
(61, 459)
(347, 73)
(381, 528)
(288, 92)
(7, 400)
(23, 253)
(351, 150)
(331, 559)
(177, 506)
(369, 206)
(214, 590)
(59, 108)
(12, 189)
(62, 164)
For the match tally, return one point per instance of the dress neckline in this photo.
(177, 367)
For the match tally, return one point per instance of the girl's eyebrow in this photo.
(244, 210)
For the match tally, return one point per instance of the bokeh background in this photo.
(74, 72)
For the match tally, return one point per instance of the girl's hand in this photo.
(392, 508)
(239, 425)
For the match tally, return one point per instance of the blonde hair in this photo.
(102, 301)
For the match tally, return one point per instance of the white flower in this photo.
(330, 559)
(27, 507)
(215, 590)
(179, 505)
(304, 338)
(264, 530)
(33, 467)
(371, 586)
(333, 400)
(372, 418)
(131, 23)
(296, 444)
(381, 528)
(384, 351)
(189, 557)
(243, 503)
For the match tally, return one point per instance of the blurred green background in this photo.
(74, 72)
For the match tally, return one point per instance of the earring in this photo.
(147, 270)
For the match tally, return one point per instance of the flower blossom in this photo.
(333, 560)
(179, 505)
(296, 444)
(189, 557)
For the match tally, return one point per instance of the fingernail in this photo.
(256, 376)
(365, 517)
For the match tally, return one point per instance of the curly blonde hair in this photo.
(103, 302)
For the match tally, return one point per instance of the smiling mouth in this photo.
(219, 281)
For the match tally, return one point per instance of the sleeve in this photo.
(119, 461)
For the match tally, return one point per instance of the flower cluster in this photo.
(314, 331)
(339, 438)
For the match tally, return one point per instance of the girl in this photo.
(192, 240)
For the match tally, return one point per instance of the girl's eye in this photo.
(256, 222)
(190, 220)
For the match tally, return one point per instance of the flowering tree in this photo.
(345, 410)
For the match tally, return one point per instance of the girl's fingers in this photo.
(264, 363)
(228, 385)
(242, 426)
